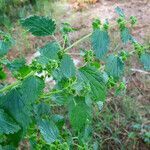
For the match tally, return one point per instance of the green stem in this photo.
(9, 87)
(78, 41)
(47, 95)
(54, 37)
(31, 73)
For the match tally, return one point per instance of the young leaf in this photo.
(114, 66)
(39, 26)
(17, 101)
(145, 60)
(95, 79)
(48, 52)
(100, 43)
(7, 124)
(79, 113)
(49, 130)
(67, 67)
(125, 35)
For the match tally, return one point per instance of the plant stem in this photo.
(78, 41)
(31, 73)
(9, 87)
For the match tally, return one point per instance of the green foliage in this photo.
(120, 12)
(29, 107)
(48, 130)
(16, 64)
(4, 48)
(145, 60)
(125, 35)
(2, 74)
(67, 67)
(95, 79)
(7, 124)
(18, 100)
(5, 44)
(114, 66)
(79, 113)
(39, 26)
(100, 42)
(48, 52)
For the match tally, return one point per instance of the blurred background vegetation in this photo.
(12, 10)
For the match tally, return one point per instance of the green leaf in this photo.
(95, 79)
(48, 52)
(39, 26)
(59, 120)
(120, 12)
(79, 113)
(3, 75)
(145, 60)
(125, 35)
(18, 101)
(7, 147)
(42, 109)
(48, 130)
(61, 98)
(7, 124)
(16, 64)
(18, 67)
(114, 66)
(100, 43)
(5, 47)
(67, 67)
(24, 71)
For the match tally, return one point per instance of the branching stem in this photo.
(9, 87)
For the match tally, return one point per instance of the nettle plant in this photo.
(30, 107)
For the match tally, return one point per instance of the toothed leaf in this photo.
(48, 52)
(67, 67)
(18, 101)
(114, 66)
(48, 130)
(95, 79)
(79, 113)
(7, 124)
(39, 25)
(100, 43)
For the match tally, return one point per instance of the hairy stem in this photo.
(9, 87)
(78, 41)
